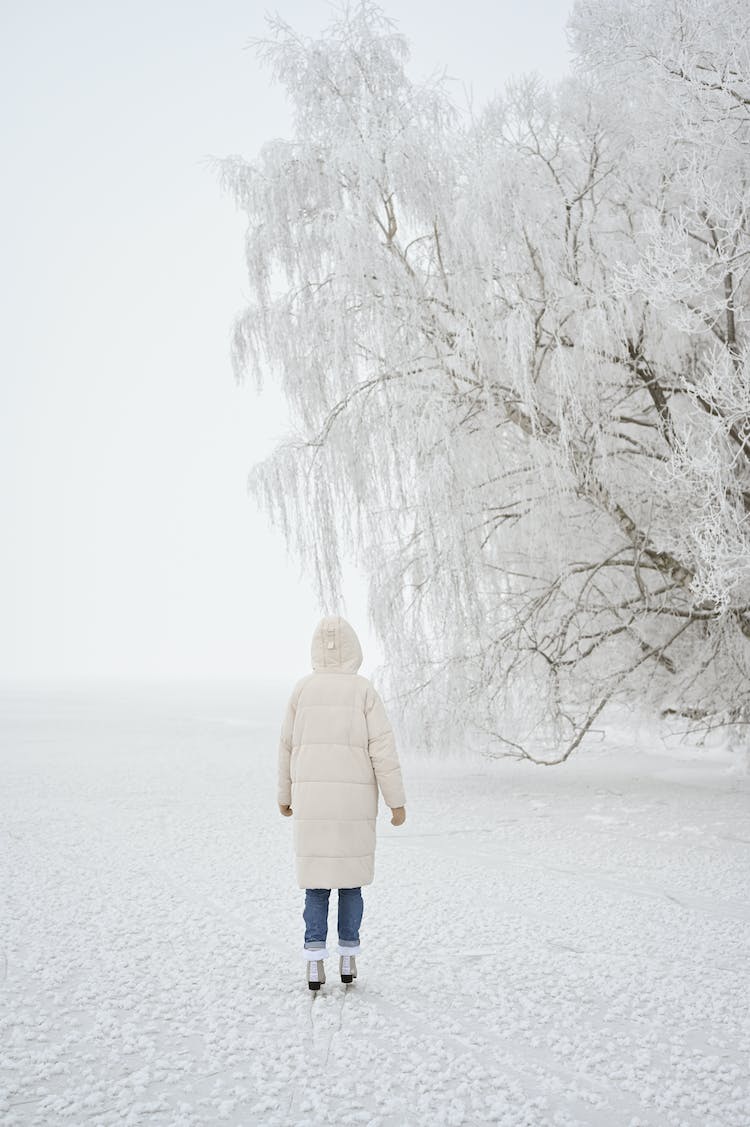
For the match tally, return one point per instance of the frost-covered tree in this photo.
(514, 347)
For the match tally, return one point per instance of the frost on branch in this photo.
(514, 348)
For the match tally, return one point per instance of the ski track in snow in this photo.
(560, 947)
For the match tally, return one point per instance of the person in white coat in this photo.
(336, 752)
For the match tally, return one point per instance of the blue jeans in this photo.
(315, 916)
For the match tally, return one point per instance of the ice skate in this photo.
(347, 968)
(316, 971)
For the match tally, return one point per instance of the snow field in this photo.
(541, 947)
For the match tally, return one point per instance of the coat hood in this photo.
(335, 647)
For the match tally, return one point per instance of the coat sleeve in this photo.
(284, 789)
(381, 746)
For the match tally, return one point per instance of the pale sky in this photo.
(130, 544)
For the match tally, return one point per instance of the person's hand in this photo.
(399, 815)
(285, 810)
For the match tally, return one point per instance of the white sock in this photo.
(313, 954)
(348, 950)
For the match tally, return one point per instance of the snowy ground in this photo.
(541, 946)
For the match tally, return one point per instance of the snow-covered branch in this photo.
(514, 348)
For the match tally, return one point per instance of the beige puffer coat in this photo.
(336, 749)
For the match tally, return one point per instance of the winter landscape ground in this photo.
(541, 945)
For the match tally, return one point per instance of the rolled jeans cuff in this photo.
(311, 954)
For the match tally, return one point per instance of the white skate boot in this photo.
(316, 971)
(348, 963)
